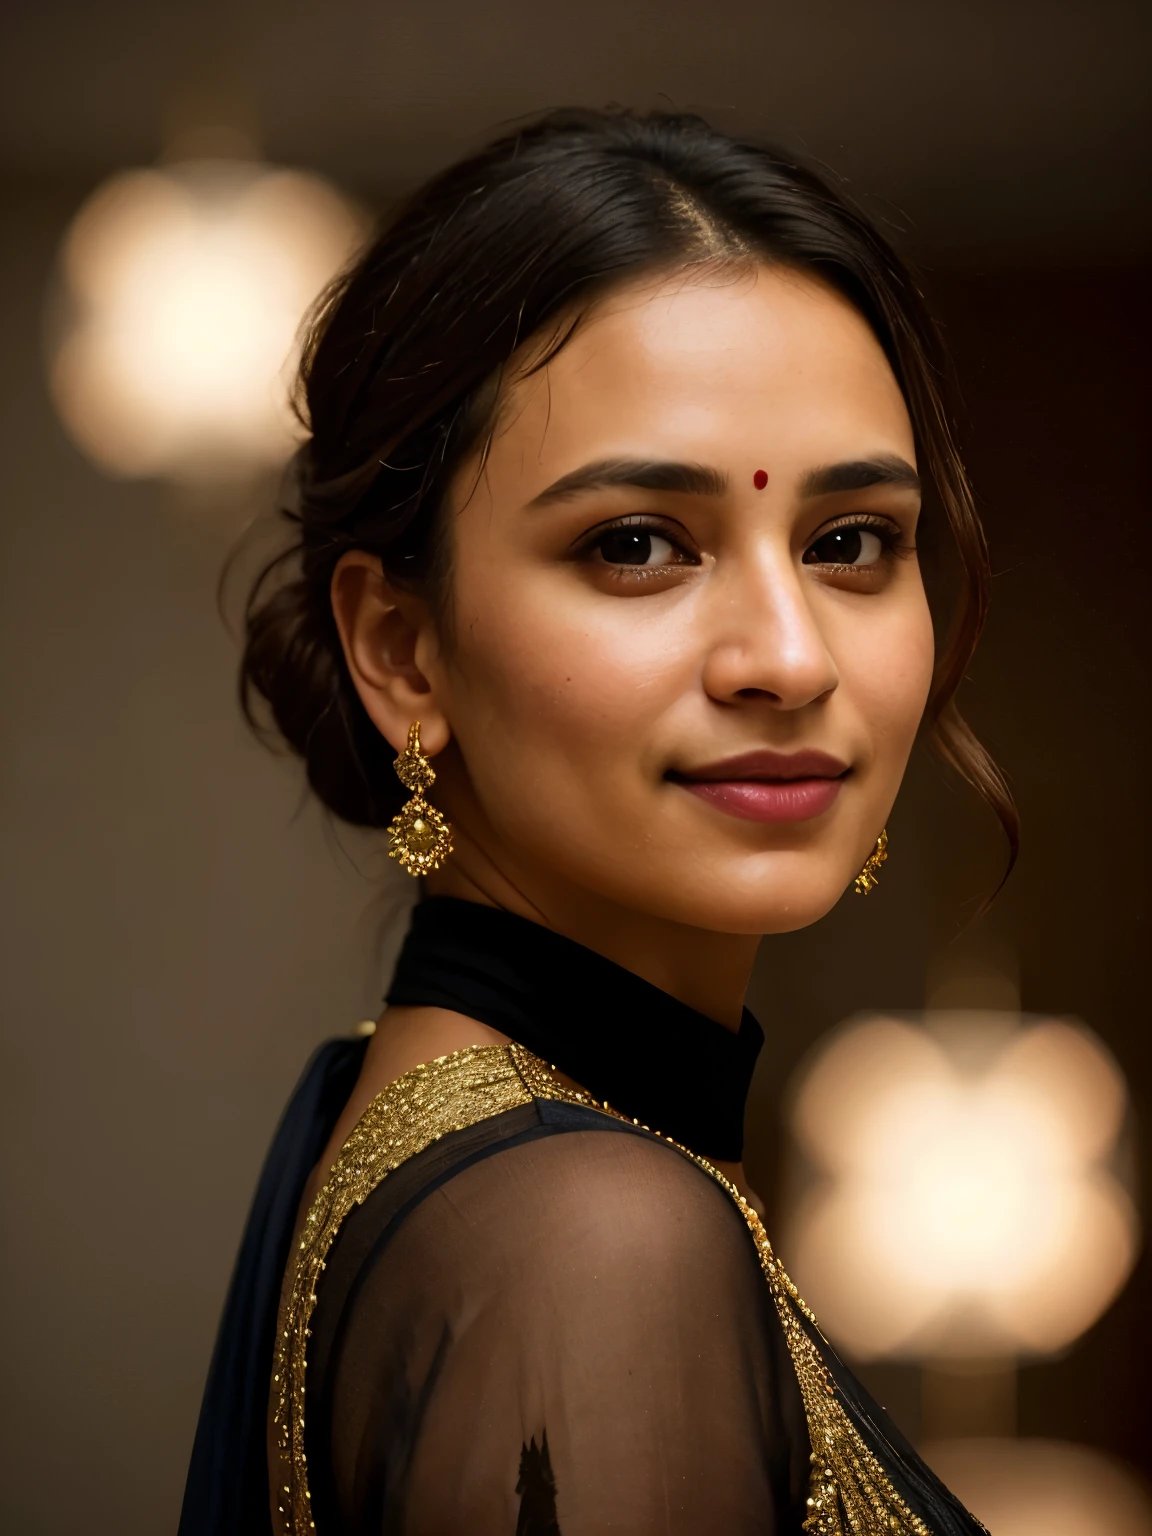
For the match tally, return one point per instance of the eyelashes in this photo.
(642, 546)
(637, 546)
(857, 542)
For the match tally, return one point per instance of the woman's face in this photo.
(689, 646)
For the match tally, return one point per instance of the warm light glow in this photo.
(1042, 1488)
(186, 290)
(966, 1200)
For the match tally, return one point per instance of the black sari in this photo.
(518, 1309)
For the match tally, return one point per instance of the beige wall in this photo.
(177, 934)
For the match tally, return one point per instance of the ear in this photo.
(386, 633)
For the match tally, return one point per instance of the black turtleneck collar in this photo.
(650, 1057)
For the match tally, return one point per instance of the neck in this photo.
(707, 971)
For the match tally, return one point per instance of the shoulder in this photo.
(579, 1194)
(542, 1209)
(551, 1270)
(585, 1163)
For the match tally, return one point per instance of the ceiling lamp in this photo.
(1044, 1488)
(184, 292)
(965, 1197)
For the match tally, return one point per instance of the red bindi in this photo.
(760, 479)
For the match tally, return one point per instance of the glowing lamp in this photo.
(965, 1198)
(1043, 1488)
(184, 293)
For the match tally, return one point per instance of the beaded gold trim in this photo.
(448, 1094)
(850, 1493)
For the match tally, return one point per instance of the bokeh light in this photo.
(1043, 1488)
(965, 1197)
(185, 289)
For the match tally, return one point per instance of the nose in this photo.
(766, 643)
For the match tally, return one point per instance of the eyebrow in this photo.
(859, 474)
(644, 474)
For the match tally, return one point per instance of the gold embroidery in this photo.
(850, 1494)
(448, 1094)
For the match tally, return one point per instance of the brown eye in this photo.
(637, 546)
(846, 546)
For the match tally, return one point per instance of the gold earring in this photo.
(869, 877)
(421, 838)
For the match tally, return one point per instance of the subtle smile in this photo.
(768, 786)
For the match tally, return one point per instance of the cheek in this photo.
(574, 683)
(887, 673)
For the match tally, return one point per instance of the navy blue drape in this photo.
(227, 1489)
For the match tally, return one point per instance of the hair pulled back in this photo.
(396, 385)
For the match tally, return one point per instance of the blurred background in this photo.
(950, 1120)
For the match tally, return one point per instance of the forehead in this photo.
(759, 361)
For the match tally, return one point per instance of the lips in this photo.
(768, 786)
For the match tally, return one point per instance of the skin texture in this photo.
(558, 691)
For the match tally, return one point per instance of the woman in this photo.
(607, 524)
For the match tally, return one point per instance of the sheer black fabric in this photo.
(551, 1322)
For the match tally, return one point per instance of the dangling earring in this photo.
(869, 877)
(421, 838)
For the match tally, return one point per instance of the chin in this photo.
(771, 912)
(773, 893)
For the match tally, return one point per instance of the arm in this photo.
(571, 1335)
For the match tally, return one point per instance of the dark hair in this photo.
(398, 371)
